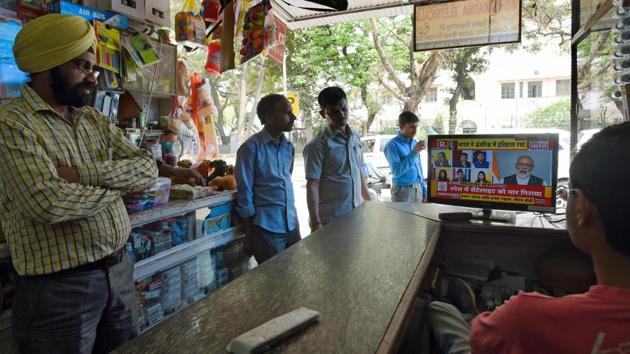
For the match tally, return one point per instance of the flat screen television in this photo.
(508, 172)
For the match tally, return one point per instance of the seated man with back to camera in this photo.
(597, 321)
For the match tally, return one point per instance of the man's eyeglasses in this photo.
(86, 69)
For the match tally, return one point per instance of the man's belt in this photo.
(103, 263)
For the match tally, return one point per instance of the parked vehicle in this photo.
(376, 181)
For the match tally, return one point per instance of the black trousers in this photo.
(76, 311)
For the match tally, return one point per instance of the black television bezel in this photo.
(495, 205)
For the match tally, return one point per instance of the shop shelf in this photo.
(179, 207)
(178, 254)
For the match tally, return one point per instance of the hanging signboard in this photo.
(466, 23)
(294, 99)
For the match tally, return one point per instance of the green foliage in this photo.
(438, 123)
(555, 115)
(331, 55)
(544, 22)
(390, 130)
(424, 131)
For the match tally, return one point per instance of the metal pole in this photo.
(284, 72)
(575, 27)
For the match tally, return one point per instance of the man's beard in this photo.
(523, 174)
(68, 95)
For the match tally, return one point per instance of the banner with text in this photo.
(511, 194)
(466, 23)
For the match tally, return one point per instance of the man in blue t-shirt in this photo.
(408, 184)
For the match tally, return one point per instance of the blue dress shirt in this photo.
(263, 174)
(404, 163)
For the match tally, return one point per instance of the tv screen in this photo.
(511, 172)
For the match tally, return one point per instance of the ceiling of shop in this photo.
(296, 18)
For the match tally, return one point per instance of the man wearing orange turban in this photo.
(64, 169)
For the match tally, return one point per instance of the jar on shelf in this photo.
(171, 149)
(152, 144)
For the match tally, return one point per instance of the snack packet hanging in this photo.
(271, 30)
(213, 61)
(240, 9)
(189, 26)
(210, 10)
(254, 31)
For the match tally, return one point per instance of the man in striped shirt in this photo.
(64, 169)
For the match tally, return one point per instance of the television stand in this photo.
(496, 216)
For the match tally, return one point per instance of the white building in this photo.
(514, 84)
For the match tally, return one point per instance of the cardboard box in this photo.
(89, 13)
(158, 12)
(132, 8)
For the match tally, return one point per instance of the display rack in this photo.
(179, 254)
(179, 207)
(147, 269)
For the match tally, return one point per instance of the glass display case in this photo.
(165, 71)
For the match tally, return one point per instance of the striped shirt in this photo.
(51, 224)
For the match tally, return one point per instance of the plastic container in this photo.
(171, 149)
(152, 145)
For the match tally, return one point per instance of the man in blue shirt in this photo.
(479, 159)
(408, 184)
(333, 163)
(264, 164)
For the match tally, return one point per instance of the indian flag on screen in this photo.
(495, 170)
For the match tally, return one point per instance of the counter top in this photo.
(353, 271)
(522, 219)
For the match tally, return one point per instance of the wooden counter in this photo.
(353, 271)
(362, 272)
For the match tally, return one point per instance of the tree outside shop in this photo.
(373, 60)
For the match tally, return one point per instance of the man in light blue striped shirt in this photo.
(402, 153)
(264, 164)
